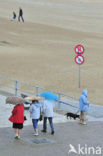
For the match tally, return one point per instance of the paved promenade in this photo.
(87, 140)
(77, 135)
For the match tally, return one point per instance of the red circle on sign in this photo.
(79, 49)
(79, 59)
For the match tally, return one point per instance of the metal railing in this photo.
(17, 88)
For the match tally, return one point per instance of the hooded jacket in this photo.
(35, 110)
(84, 103)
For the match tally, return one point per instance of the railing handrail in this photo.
(37, 88)
(27, 84)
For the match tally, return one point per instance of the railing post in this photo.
(59, 103)
(37, 91)
(16, 87)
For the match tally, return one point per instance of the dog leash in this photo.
(77, 111)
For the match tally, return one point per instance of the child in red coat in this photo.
(17, 118)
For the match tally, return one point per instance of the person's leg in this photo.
(16, 132)
(22, 18)
(19, 133)
(36, 130)
(81, 117)
(19, 18)
(51, 124)
(33, 121)
(84, 118)
(36, 126)
(44, 124)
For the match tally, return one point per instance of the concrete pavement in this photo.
(66, 134)
(86, 140)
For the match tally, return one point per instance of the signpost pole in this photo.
(79, 76)
(79, 59)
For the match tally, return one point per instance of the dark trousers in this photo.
(21, 18)
(50, 122)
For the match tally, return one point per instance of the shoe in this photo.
(84, 123)
(52, 133)
(36, 134)
(44, 131)
(16, 137)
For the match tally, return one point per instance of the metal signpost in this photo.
(79, 59)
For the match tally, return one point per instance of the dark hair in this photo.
(34, 101)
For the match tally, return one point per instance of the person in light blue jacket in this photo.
(35, 114)
(84, 105)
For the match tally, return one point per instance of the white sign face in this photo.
(79, 59)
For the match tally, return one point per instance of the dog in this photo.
(72, 115)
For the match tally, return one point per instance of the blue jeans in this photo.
(50, 122)
(35, 123)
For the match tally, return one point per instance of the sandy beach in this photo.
(40, 51)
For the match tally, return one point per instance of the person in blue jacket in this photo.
(84, 105)
(35, 113)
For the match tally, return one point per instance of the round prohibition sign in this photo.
(79, 59)
(79, 49)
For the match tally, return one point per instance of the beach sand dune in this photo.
(40, 51)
